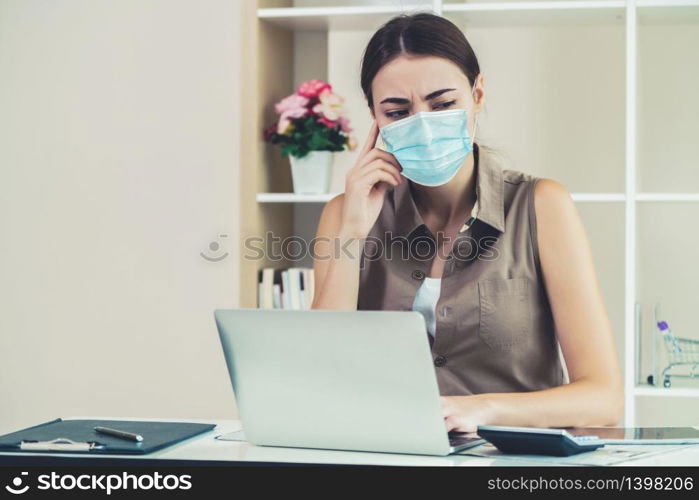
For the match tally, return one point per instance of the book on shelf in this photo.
(288, 288)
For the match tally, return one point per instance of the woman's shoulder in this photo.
(333, 207)
(501, 160)
(335, 203)
(515, 177)
(331, 215)
(544, 192)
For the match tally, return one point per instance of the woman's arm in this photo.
(345, 223)
(594, 396)
(336, 261)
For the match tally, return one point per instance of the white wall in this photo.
(118, 165)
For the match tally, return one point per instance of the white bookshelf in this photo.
(631, 18)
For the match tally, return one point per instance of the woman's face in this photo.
(409, 84)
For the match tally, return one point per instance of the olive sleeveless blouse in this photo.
(494, 325)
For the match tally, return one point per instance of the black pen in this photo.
(120, 434)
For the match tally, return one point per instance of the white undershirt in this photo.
(426, 301)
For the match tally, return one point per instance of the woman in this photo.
(495, 259)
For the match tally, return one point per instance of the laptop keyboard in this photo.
(462, 438)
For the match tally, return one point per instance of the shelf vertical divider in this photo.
(630, 217)
(249, 154)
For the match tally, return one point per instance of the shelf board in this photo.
(575, 12)
(497, 13)
(294, 198)
(667, 11)
(323, 18)
(601, 197)
(666, 3)
(667, 197)
(670, 392)
(483, 13)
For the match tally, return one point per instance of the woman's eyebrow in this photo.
(403, 100)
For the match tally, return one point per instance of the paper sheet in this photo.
(607, 455)
(232, 436)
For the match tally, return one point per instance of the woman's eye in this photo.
(403, 112)
(443, 105)
(396, 114)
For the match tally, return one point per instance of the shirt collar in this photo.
(489, 206)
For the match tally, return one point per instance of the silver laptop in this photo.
(343, 380)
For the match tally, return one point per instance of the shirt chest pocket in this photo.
(505, 312)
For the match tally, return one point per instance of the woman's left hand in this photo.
(465, 413)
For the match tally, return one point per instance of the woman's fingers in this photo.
(391, 170)
(370, 142)
(370, 152)
(369, 145)
(456, 418)
(446, 406)
(382, 165)
(378, 175)
(377, 153)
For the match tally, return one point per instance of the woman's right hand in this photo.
(366, 184)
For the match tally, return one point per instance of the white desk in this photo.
(206, 448)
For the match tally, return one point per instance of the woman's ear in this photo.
(479, 91)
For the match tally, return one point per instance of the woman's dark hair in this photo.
(419, 34)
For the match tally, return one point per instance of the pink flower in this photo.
(312, 88)
(282, 126)
(326, 122)
(344, 124)
(295, 103)
(268, 131)
(330, 105)
(293, 106)
(285, 122)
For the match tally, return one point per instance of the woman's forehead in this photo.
(412, 77)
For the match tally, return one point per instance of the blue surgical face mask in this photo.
(431, 146)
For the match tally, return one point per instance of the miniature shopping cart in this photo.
(682, 355)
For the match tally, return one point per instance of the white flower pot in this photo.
(312, 173)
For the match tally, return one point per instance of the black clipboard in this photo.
(79, 436)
